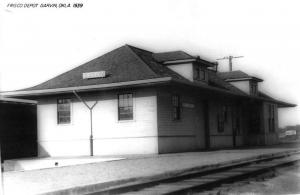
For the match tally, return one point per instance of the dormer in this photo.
(242, 81)
(190, 67)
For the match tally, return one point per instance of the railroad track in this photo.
(201, 180)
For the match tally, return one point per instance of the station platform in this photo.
(92, 175)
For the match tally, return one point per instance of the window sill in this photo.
(126, 121)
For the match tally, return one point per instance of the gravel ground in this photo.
(45, 180)
(281, 181)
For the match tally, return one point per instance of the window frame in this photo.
(253, 88)
(222, 118)
(57, 111)
(202, 70)
(118, 107)
(200, 73)
(271, 118)
(176, 109)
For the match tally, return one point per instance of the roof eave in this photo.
(285, 104)
(146, 82)
(244, 79)
(14, 100)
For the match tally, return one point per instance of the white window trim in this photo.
(133, 109)
(71, 113)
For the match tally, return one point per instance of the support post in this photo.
(91, 135)
(1, 176)
(91, 121)
(230, 63)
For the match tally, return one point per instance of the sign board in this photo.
(291, 132)
(188, 105)
(93, 75)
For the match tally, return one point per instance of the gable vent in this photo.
(93, 75)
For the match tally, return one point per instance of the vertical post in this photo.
(230, 63)
(206, 124)
(234, 125)
(1, 175)
(91, 136)
(91, 121)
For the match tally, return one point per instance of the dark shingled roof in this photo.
(280, 104)
(171, 56)
(121, 64)
(126, 63)
(236, 75)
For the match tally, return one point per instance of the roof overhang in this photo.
(173, 62)
(195, 59)
(145, 82)
(244, 79)
(15, 100)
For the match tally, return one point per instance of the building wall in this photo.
(242, 85)
(270, 137)
(111, 137)
(220, 139)
(186, 134)
(185, 70)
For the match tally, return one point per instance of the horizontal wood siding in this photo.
(111, 137)
(186, 134)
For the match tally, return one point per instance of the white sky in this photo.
(38, 44)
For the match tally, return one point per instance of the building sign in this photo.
(188, 105)
(291, 132)
(93, 75)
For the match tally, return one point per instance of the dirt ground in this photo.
(281, 181)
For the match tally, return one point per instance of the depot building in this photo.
(133, 101)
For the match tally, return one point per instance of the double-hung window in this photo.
(271, 118)
(176, 107)
(222, 118)
(125, 106)
(200, 72)
(253, 88)
(63, 111)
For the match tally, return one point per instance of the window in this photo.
(63, 111)
(125, 106)
(253, 88)
(222, 118)
(200, 72)
(176, 107)
(236, 120)
(271, 119)
(220, 123)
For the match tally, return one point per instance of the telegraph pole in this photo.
(229, 58)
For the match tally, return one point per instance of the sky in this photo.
(37, 44)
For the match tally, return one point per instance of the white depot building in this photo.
(132, 101)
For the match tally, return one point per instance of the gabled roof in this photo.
(237, 76)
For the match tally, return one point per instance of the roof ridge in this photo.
(131, 46)
(140, 59)
(175, 51)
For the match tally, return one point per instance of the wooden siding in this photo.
(220, 139)
(111, 137)
(186, 134)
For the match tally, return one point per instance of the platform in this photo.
(77, 179)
